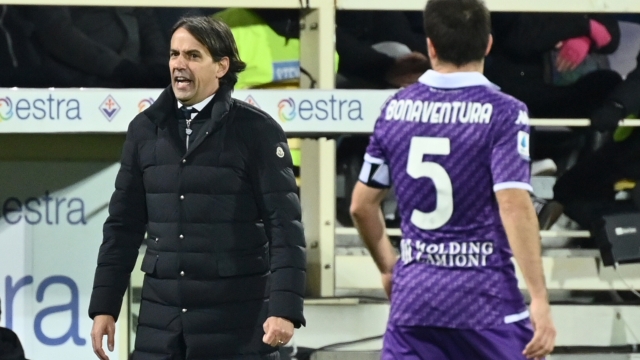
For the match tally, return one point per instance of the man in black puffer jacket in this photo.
(225, 261)
(10, 345)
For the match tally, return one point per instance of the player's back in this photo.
(449, 142)
(440, 145)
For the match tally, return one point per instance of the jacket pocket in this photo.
(241, 266)
(149, 262)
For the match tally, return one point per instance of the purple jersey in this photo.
(446, 144)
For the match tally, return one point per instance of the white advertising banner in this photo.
(111, 110)
(50, 231)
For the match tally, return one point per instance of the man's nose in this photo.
(179, 63)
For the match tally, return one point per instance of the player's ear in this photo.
(431, 50)
(489, 45)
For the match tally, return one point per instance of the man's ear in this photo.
(223, 67)
(489, 45)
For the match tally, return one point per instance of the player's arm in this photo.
(368, 219)
(374, 180)
(510, 170)
(521, 225)
(511, 178)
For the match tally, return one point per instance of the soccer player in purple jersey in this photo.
(456, 150)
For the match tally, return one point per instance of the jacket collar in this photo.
(199, 106)
(455, 80)
(162, 111)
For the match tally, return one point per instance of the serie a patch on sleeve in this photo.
(523, 144)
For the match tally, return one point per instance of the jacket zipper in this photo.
(188, 131)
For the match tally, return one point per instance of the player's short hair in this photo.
(459, 29)
(217, 37)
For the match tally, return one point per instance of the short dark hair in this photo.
(459, 29)
(217, 37)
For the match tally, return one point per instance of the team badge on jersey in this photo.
(523, 118)
(523, 144)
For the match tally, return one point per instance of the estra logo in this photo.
(323, 108)
(286, 109)
(6, 109)
(145, 103)
(52, 107)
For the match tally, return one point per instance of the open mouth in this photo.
(182, 82)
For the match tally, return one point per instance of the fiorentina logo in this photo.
(109, 108)
(252, 101)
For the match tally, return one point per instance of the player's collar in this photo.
(455, 80)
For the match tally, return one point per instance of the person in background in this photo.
(587, 191)
(536, 58)
(557, 65)
(378, 49)
(113, 47)
(374, 49)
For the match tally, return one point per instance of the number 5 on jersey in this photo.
(417, 168)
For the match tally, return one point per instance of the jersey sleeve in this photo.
(510, 159)
(375, 169)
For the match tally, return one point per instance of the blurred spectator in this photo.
(379, 49)
(622, 102)
(268, 42)
(169, 16)
(551, 62)
(587, 190)
(99, 46)
(20, 62)
(376, 49)
(10, 346)
(557, 64)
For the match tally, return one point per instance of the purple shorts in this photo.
(432, 343)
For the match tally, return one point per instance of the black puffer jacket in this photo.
(226, 246)
(10, 346)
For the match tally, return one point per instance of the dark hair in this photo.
(459, 29)
(216, 36)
